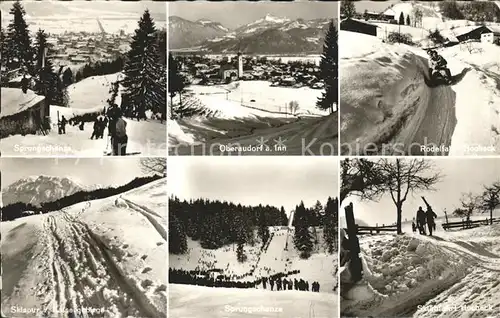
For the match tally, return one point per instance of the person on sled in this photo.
(438, 63)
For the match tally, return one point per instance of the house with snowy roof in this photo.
(21, 113)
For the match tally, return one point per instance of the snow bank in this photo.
(406, 271)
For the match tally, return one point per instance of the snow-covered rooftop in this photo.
(14, 101)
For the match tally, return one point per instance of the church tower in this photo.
(240, 65)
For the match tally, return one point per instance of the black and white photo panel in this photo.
(83, 78)
(420, 78)
(84, 237)
(262, 80)
(420, 237)
(253, 237)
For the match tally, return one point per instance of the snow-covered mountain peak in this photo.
(42, 188)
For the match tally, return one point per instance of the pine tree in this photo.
(330, 225)
(329, 71)
(145, 79)
(401, 19)
(240, 253)
(47, 81)
(284, 218)
(68, 77)
(18, 44)
(407, 20)
(176, 236)
(347, 9)
(176, 84)
(3, 47)
(303, 239)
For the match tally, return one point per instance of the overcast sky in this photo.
(233, 14)
(113, 171)
(460, 176)
(87, 9)
(374, 6)
(277, 181)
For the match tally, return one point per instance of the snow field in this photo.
(188, 301)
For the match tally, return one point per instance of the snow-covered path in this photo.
(146, 138)
(80, 258)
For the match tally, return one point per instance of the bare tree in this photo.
(490, 199)
(469, 203)
(404, 176)
(154, 166)
(360, 177)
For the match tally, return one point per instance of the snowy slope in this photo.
(387, 102)
(79, 93)
(39, 189)
(414, 275)
(196, 301)
(96, 255)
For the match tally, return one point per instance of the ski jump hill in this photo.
(193, 301)
(389, 106)
(106, 256)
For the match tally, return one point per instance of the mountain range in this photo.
(268, 35)
(36, 190)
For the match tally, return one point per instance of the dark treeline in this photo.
(217, 223)
(100, 68)
(304, 219)
(15, 210)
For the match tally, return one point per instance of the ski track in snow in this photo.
(83, 273)
(150, 216)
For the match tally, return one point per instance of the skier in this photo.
(421, 220)
(120, 138)
(439, 63)
(62, 125)
(95, 133)
(430, 219)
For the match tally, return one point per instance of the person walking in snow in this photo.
(95, 132)
(62, 125)
(413, 226)
(439, 63)
(430, 216)
(421, 220)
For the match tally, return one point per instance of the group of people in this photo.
(276, 282)
(424, 218)
(100, 125)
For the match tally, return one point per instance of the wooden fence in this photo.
(464, 224)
